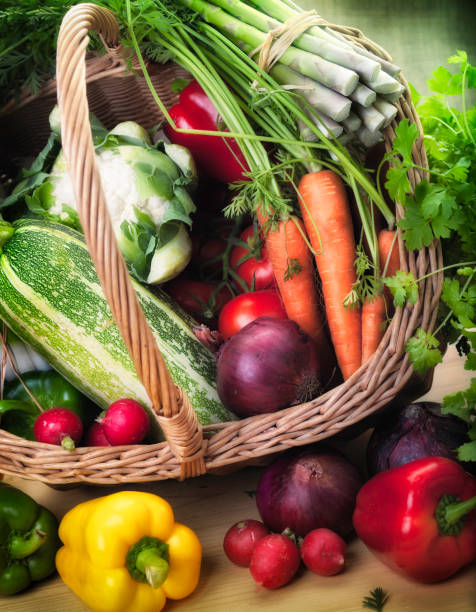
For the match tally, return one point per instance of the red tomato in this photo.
(209, 255)
(208, 248)
(201, 300)
(256, 270)
(247, 307)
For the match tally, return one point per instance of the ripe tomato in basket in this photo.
(200, 299)
(247, 307)
(251, 262)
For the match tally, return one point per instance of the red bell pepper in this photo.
(217, 157)
(420, 518)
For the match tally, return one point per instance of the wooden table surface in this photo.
(211, 504)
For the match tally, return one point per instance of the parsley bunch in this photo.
(443, 207)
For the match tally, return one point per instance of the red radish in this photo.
(58, 426)
(95, 436)
(125, 422)
(323, 552)
(275, 561)
(240, 540)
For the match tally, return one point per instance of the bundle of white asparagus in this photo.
(351, 91)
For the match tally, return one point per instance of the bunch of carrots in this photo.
(327, 223)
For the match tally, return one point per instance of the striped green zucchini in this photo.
(51, 298)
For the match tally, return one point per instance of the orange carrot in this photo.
(295, 276)
(386, 242)
(373, 319)
(374, 312)
(325, 210)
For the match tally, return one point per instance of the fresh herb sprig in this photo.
(376, 600)
(28, 31)
(443, 206)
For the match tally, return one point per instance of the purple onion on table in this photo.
(307, 489)
(417, 430)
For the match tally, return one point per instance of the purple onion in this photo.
(266, 366)
(418, 430)
(307, 489)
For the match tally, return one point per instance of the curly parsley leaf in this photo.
(458, 301)
(461, 403)
(397, 183)
(403, 286)
(405, 137)
(423, 351)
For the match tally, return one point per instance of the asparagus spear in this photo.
(390, 68)
(353, 122)
(369, 138)
(363, 95)
(323, 99)
(393, 97)
(325, 124)
(384, 83)
(372, 119)
(388, 110)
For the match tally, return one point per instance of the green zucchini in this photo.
(51, 298)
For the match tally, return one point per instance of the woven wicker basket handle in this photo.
(174, 412)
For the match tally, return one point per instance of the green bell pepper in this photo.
(18, 411)
(28, 540)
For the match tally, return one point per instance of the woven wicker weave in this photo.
(190, 449)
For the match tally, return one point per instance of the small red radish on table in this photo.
(275, 561)
(323, 552)
(241, 540)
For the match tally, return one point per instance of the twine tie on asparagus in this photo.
(279, 39)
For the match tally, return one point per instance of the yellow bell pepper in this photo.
(125, 553)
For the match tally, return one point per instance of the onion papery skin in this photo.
(268, 365)
(307, 489)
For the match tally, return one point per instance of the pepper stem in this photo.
(451, 513)
(24, 546)
(454, 512)
(153, 565)
(148, 561)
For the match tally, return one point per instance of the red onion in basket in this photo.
(266, 366)
(309, 488)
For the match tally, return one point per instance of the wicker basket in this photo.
(190, 449)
